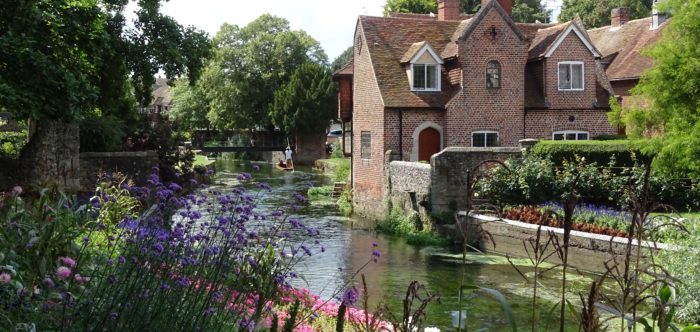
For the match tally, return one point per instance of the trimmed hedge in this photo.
(626, 152)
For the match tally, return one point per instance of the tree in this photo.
(307, 102)
(249, 65)
(523, 10)
(60, 59)
(342, 59)
(190, 105)
(672, 89)
(596, 13)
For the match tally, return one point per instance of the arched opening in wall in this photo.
(428, 143)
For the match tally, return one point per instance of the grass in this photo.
(411, 228)
(322, 191)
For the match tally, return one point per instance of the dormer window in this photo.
(423, 67)
(426, 76)
(571, 75)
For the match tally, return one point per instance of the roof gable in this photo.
(579, 32)
(468, 26)
(417, 50)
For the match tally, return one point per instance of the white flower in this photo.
(431, 329)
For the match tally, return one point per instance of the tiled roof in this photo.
(161, 92)
(415, 47)
(627, 42)
(345, 70)
(543, 38)
(388, 40)
(424, 16)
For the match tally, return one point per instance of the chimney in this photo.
(506, 4)
(618, 17)
(448, 10)
(657, 18)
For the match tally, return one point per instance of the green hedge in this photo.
(625, 152)
(11, 143)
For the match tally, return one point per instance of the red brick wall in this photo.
(622, 88)
(345, 98)
(367, 116)
(411, 119)
(542, 123)
(571, 49)
(477, 108)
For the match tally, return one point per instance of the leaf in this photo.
(665, 294)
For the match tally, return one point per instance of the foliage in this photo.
(687, 271)
(249, 65)
(190, 105)
(342, 172)
(526, 11)
(622, 152)
(596, 13)
(307, 102)
(11, 143)
(102, 133)
(337, 150)
(345, 202)
(673, 91)
(323, 191)
(410, 227)
(342, 59)
(63, 58)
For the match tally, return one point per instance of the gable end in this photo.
(583, 37)
(475, 21)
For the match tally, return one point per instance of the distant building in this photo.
(162, 100)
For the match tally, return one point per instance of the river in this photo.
(348, 245)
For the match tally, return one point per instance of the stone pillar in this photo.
(527, 144)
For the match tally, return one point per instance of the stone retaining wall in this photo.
(136, 165)
(408, 186)
(587, 251)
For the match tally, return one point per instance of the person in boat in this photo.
(288, 157)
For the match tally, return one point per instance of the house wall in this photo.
(406, 125)
(622, 89)
(368, 109)
(477, 108)
(345, 98)
(542, 123)
(571, 49)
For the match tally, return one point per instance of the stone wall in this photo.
(136, 165)
(587, 251)
(409, 187)
(451, 168)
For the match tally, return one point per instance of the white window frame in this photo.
(485, 132)
(577, 132)
(583, 77)
(425, 69)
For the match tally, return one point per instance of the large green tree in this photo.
(672, 89)
(342, 59)
(307, 102)
(62, 58)
(523, 10)
(249, 65)
(190, 106)
(596, 13)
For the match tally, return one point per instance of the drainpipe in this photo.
(400, 135)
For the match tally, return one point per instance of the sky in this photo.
(331, 22)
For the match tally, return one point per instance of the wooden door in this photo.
(428, 143)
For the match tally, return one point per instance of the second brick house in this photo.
(422, 83)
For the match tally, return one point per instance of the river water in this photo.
(349, 244)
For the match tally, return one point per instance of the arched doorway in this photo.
(428, 143)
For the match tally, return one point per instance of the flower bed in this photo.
(541, 216)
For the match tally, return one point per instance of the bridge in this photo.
(219, 149)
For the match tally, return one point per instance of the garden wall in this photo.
(408, 186)
(451, 168)
(587, 251)
(51, 157)
(137, 165)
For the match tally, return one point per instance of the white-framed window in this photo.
(426, 77)
(570, 135)
(571, 75)
(484, 138)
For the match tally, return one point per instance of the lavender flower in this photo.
(351, 296)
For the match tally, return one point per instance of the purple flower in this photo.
(158, 248)
(351, 296)
(121, 259)
(375, 244)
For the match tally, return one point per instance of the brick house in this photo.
(621, 44)
(421, 83)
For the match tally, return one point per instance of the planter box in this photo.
(587, 251)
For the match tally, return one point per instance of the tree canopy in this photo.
(596, 13)
(672, 89)
(523, 10)
(62, 58)
(342, 59)
(249, 65)
(307, 102)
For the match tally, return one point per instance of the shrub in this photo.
(11, 143)
(337, 150)
(345, 202)
(687, 271)
(342, 173)
(323, 191)
(622, 152)
(102, 133)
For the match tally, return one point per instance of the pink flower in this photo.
(17, 190)
(80, 278)
(5, 277)
(67, 261)
(63, 272)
